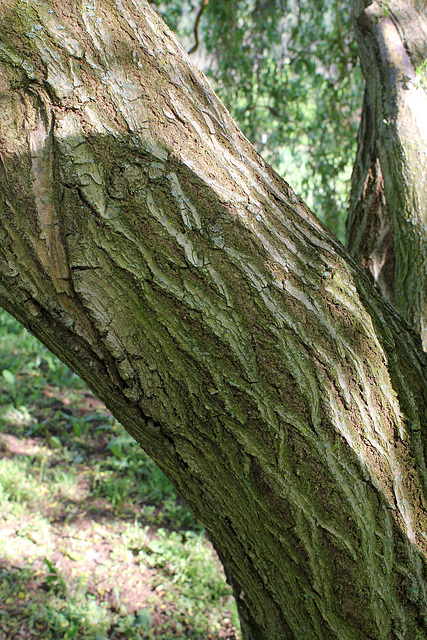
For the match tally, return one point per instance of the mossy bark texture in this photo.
(148, 245)
(387, 222)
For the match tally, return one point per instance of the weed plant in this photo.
(95, 543)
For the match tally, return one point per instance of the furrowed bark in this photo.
(387, 225)
(369, 227)
(144, 241)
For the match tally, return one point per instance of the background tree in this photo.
(149, 246)
(387, 223)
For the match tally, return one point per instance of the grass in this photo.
(95, 542)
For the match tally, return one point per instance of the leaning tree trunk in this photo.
(387, 223)
(147, 244)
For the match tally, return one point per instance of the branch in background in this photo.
(196, 26)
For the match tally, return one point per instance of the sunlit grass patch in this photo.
(17, 481)
(41, 604)
(188, 580)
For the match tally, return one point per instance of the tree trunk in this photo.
(387, 223)
(144, 241)
(369, 227)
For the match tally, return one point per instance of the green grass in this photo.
(95, 542)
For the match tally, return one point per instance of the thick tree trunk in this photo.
(387, 223)
(149, 246)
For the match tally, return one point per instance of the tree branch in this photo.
(196, 26)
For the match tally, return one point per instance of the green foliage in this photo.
(60, 611)
(187, 577)
(288, 73)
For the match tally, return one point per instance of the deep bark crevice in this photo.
(369, 226)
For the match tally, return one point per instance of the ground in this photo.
(95, 543)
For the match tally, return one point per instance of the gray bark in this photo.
(387, 223)
(144, 241)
